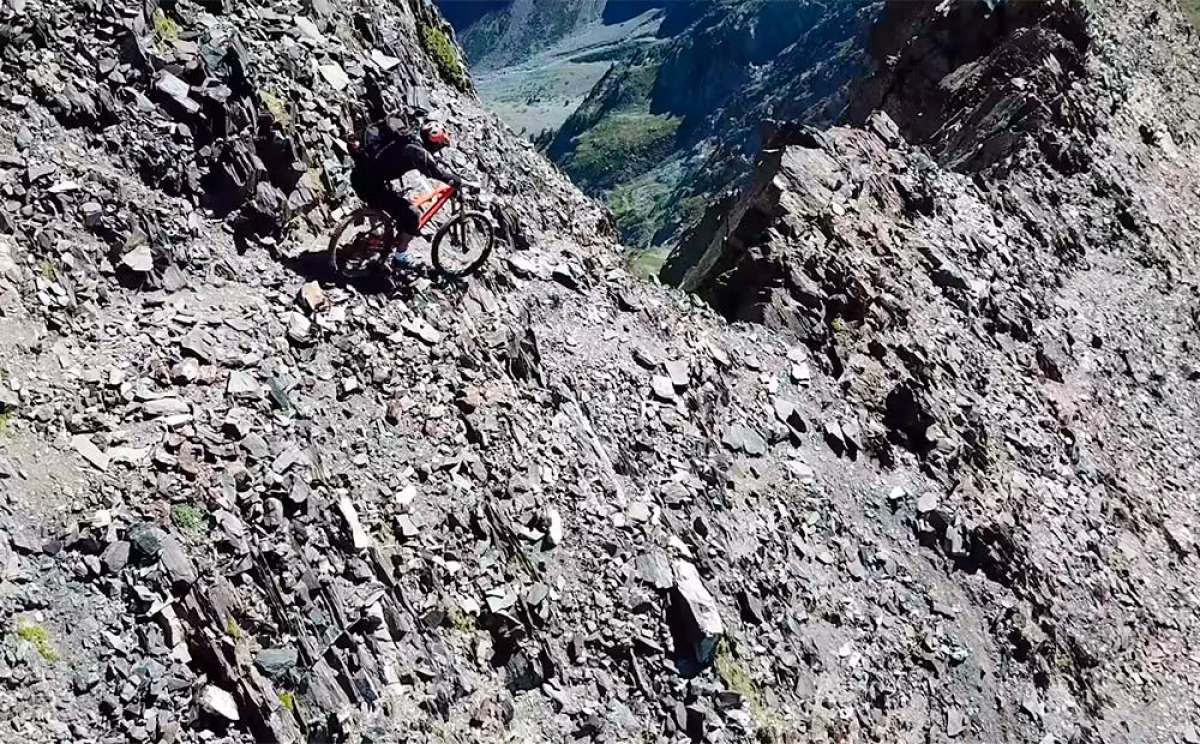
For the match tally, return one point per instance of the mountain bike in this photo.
(364, 240)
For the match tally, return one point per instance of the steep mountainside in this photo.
(695, 130)
(534, 61)
(630, 99)
(498, 34)
(944, 491)
(537, 93)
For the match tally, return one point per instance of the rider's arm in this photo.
(424, 162)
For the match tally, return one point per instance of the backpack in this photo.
(370, 133)
(370, 141)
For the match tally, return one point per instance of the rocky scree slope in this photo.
(242, 503)
(999, 267)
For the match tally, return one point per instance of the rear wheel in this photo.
(463, 244)
(361, 243)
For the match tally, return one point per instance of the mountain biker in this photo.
(388, 150)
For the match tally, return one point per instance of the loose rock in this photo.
(218, 702)
(697, 622)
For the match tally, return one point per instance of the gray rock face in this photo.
(9, 400)
(166, 407)
(242, 385)
(1003, 54)
(743, 438)
(218, 702)
(655, 570)
(116, 556)
(276, 661)
(88, 450)
(697, 626)
(662, 388)
(151, 544)
(147, 541)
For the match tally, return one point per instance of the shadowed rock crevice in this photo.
(973, 81)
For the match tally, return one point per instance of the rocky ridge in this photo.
(674, 126)
(242, 502)
(1003, 282)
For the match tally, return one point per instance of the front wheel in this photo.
(462, 245)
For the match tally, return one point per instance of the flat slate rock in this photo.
(742, 438)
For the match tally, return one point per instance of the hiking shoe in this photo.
(401, 261)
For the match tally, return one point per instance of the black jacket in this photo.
(390, 150)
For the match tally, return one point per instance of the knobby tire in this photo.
(339, 255)
(452, 237)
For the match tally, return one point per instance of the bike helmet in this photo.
(434, 135)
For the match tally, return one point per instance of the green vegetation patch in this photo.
(772, 727)
(189, 518)
(288, 701)
(276, 107)
(620, 146)
(445, 55)
(459, 620)
(638, 207)
(48, 270)
(1191, 9)
(40, 638)
(646, 263)
(166, 30)
(735, 675)
(692, 209)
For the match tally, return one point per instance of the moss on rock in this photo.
(39, 637)
(445, 56)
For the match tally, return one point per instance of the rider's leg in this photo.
(408, 219)
(408, 222)
(373, 192)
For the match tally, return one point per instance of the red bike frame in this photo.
(439, 197)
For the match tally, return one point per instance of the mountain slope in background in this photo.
(504, 33)
(536, 95)
(514, 31)
(669, 130)
(535, 61)
(666, 123)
